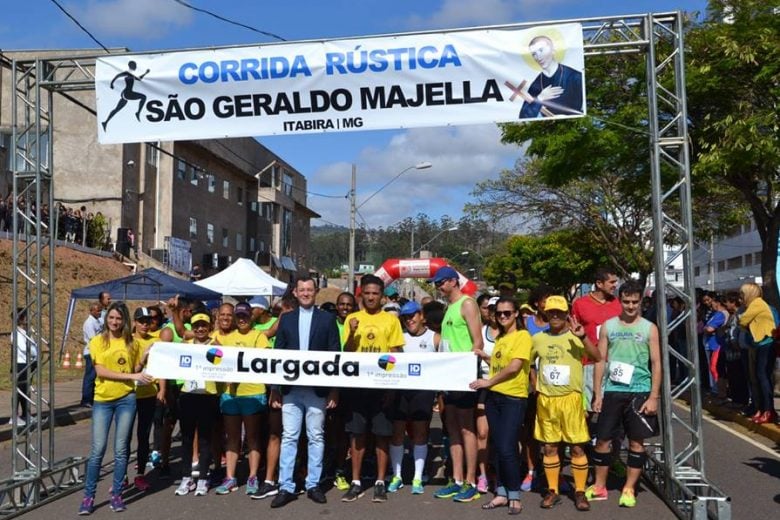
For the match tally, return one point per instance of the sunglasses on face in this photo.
(504, 314)
(144, 321)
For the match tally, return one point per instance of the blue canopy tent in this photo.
(149, 285)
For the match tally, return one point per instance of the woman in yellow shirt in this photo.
(240, 404)
(506, 403)
(116, 357)
(760, 322)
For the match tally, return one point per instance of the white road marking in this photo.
(735, 433)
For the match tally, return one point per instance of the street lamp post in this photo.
(437, 235)
(481, 260)
(354, 207)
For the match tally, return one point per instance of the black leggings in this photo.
(145, 414)
(197, 412)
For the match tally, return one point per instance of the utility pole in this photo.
(352, 213)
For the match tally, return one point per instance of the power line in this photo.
(222, 18)
(55, 2)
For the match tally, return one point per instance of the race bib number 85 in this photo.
(620, 372)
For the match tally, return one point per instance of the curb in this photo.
(67, 416)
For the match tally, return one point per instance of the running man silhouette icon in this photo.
(128, 94)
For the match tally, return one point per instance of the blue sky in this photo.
(461, 156)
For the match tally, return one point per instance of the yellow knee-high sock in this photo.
(579, 470)
(552, 470)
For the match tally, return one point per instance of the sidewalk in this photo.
(67, 411)
(67, 395)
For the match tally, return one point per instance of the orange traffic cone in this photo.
(66, 361)
(80, 361)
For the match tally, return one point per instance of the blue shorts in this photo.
(243, 405)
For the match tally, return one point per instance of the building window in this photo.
(757, 258)
(181, 169)
(226, 189)
(268, 211)
(194, 176)
(239, 242)
(721, 266)
(193, 227)
(212, 183)
(286, 238)
(696, 271)
(225, 238)
(210, 234)
(748, 260)
(734, 263)
(252, 244)
(287, 184)
(253, 206)
(240, 195)
(152, 153)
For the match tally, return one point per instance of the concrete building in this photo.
(727, 263)
(228, 198)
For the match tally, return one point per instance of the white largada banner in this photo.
(411, 371)
(388, 82)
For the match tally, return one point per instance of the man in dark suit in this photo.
(305, 328)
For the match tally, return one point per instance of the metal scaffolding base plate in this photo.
(20, 495)
(688, 493)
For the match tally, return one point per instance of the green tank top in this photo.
(628, 356)
(455, 330)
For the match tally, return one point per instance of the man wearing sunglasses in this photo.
(560, 415)
(461, 331)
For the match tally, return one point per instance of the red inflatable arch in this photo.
(395, 268)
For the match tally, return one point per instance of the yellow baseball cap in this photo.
(200, 317)
(556, 303)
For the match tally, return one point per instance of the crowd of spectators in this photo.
(74, 225)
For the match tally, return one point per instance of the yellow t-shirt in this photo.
(560, 363)
(155, 334)
(201, 387)
(376, 332)
(150, 390)
(252, 339)
(515, 345)
(116, 356)
(219, 337)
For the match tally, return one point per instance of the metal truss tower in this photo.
(676, 467)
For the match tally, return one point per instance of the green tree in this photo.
(601, 209)
(561, 259)
(733, 83)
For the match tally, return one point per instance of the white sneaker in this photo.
(19, 421)
(187, 485)
(203, 487)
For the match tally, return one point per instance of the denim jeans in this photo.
(122, 413)
(88, 383)
(505, 417)
(765, 364)
(299, 403)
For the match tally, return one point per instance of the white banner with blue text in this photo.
(411, 371)
(385, 82)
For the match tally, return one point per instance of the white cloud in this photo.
(148, 19)
(460, 157)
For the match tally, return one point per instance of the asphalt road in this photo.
(745, 467)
